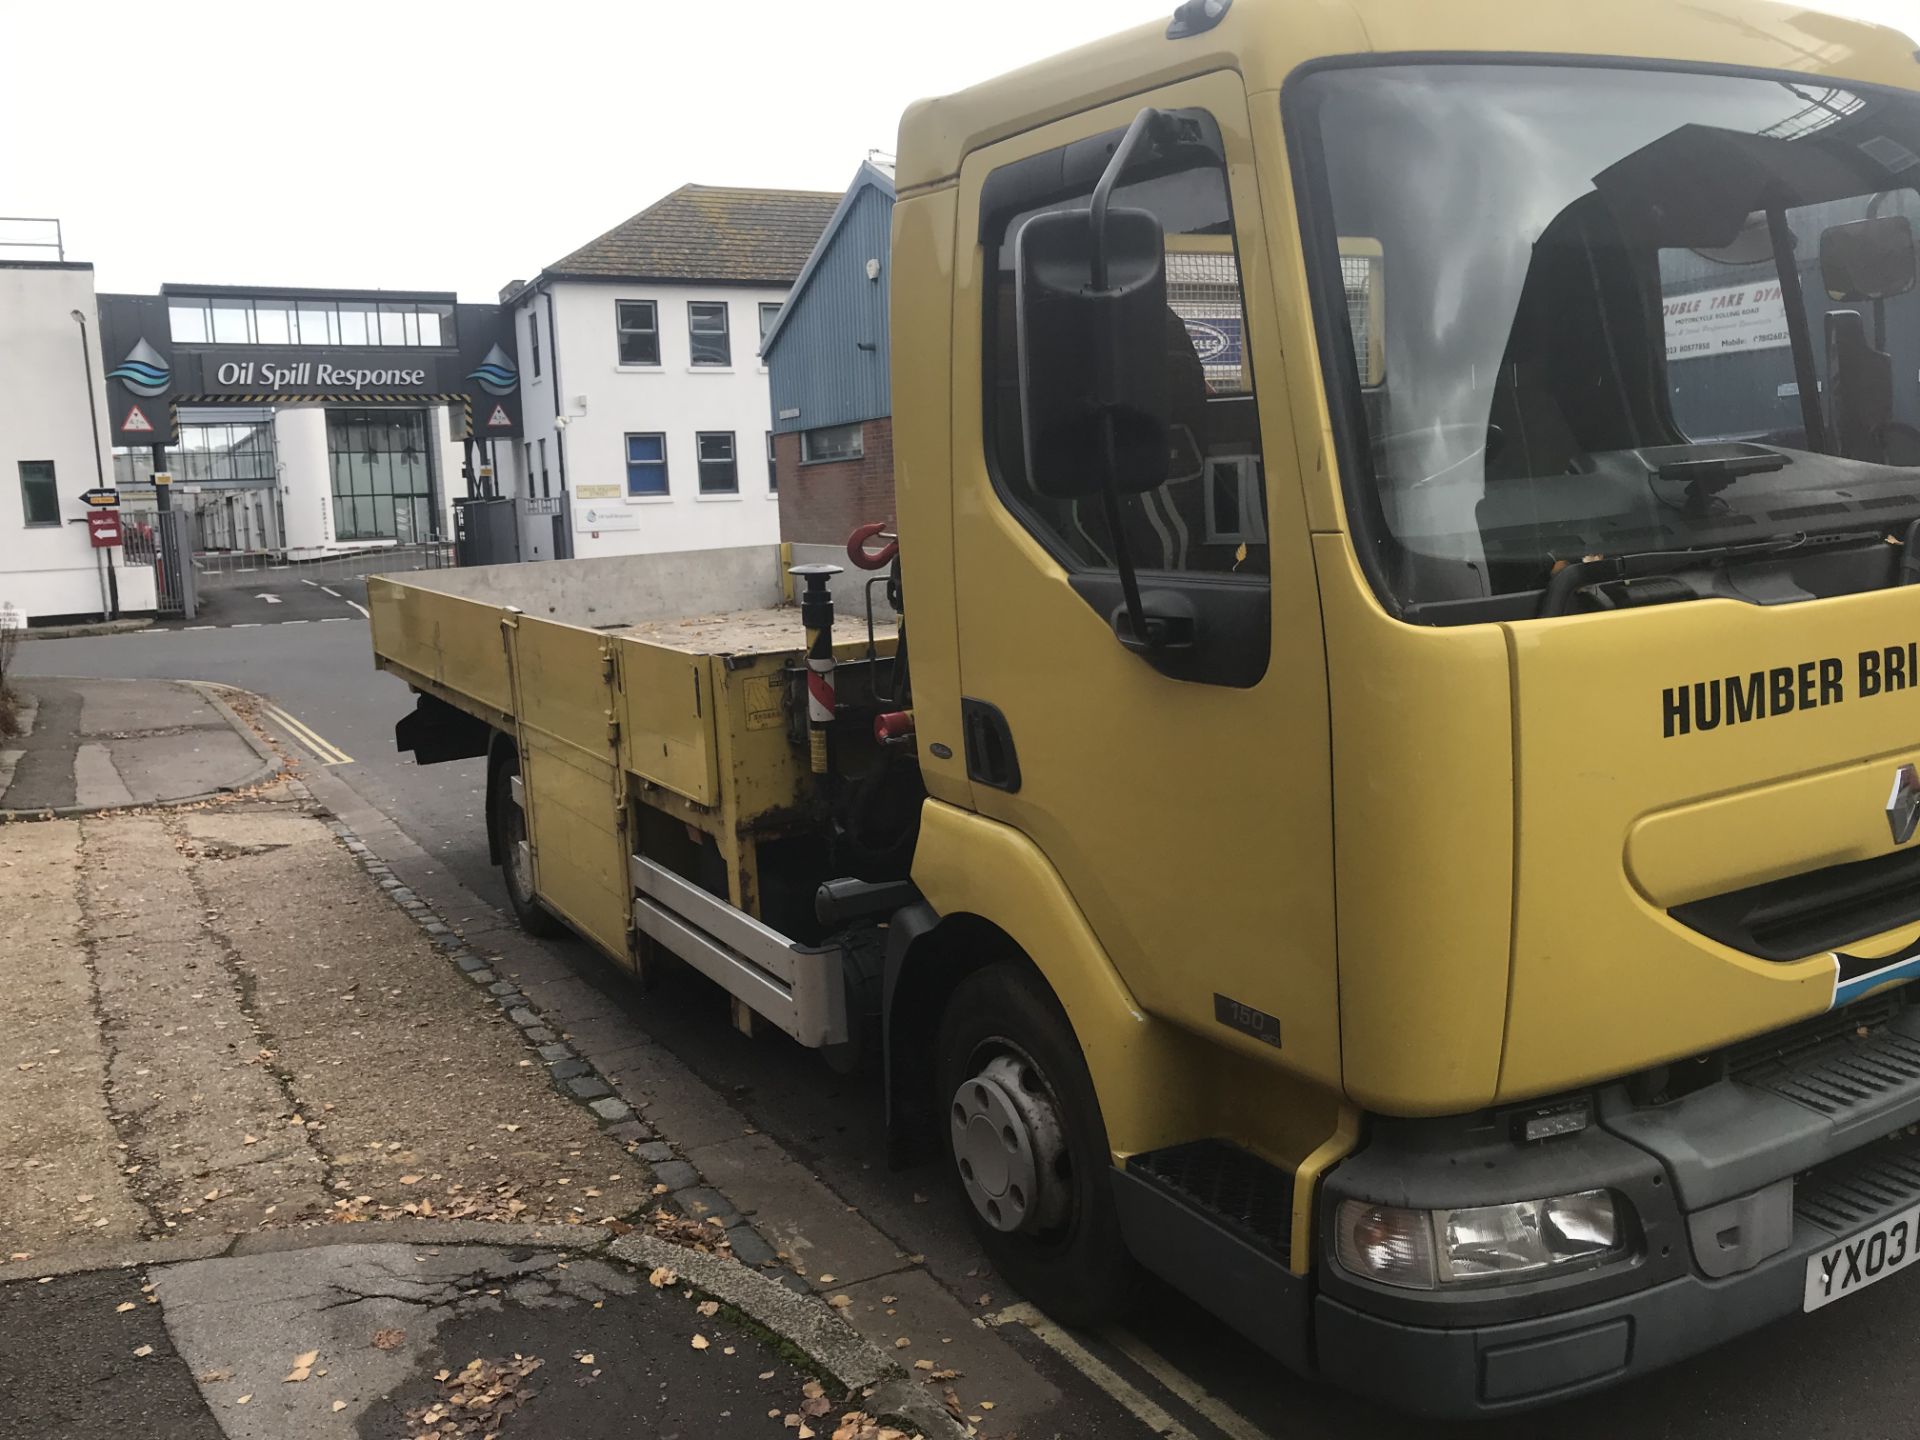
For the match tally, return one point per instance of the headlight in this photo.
(1422, 1249)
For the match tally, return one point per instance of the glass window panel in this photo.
(187, 321)
(231, 321)
(39, 492)
(646, 465)
(311, 320)
(430, 325)
(773, 466)
(383, 515)
(707, 332)
(769, 312)
(639, 332)
(412, 321)
(353, 325)
(392, 325)
(719, 475)
(272, 323)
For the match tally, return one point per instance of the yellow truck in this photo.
(1381, 782)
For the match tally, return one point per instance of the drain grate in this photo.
(1232, 1186)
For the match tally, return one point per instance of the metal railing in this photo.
(218, 569)
(58, 244)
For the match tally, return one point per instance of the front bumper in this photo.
(1492, 1368)
(1805, 1140)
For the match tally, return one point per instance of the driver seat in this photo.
(1859, 387)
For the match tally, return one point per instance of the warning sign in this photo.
(136, 420)
(498, 419)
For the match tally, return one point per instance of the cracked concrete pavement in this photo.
(235, 1071)
(104, 743)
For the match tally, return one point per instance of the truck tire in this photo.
(510, 826)
(1028, 1148)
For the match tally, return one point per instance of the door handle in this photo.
(1172, 623)
(991, 758)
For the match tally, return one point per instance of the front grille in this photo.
(1232, 1186)
(1846, 1193)
(1835, 1063)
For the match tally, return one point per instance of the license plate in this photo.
(1858, 1261)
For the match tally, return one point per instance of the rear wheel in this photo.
(516, 860)
(1028, 1148)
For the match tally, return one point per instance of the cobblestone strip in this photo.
(677, 1183)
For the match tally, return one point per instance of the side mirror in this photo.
(1868, 259)
(1093, 358)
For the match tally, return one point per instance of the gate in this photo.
(163, 539)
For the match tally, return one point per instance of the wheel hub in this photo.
(1008, 1144)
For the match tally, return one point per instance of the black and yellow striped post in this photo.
(816, 614)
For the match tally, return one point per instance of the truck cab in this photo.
(1406, 518)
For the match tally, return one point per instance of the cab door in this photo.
(1183, 798)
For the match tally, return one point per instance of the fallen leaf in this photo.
(302, 1367)
(84, 1199)
(144, 1351)
(389, 1339)
(243, 1399)
(699, 1342)
(986, 1404)
(123, 1307)
(661, 1278)
(902, 1343)
(409, 1179)
(586, 1359)
(213, 1377)
(826, 1279)
(709, 1308)
(339, 1405)
(923, 1364)
(249, 1139)
(839, 1302)
(766, 1374)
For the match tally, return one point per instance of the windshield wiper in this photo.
(1666, 565)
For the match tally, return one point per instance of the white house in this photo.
(53, 447)
(645, 400)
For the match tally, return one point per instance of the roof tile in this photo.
(709, 233)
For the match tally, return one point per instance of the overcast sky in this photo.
(429, 146)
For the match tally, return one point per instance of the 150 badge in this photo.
(1248, 1021)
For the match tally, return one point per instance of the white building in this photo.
(647, 422)
(53, 444)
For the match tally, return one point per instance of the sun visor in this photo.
(1695, 187)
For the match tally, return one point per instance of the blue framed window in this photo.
(646, 464)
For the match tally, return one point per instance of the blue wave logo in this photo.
(145, 370)
(496, 374)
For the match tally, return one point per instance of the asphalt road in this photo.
(1848, 1371)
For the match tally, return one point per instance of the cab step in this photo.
(1215, 1221)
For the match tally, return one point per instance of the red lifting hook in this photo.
(867, 559)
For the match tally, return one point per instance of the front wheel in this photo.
(516, 860)
(1028, 1148)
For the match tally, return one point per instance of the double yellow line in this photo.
(324, 751)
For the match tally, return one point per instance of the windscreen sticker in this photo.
(1809, 685)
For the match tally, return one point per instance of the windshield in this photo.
(1586, 312)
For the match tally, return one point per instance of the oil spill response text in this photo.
(1808, 685)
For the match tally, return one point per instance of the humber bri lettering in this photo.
(1782, 689)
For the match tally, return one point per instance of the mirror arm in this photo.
(1143, 123)
(1146, 120)
(1122, 550)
